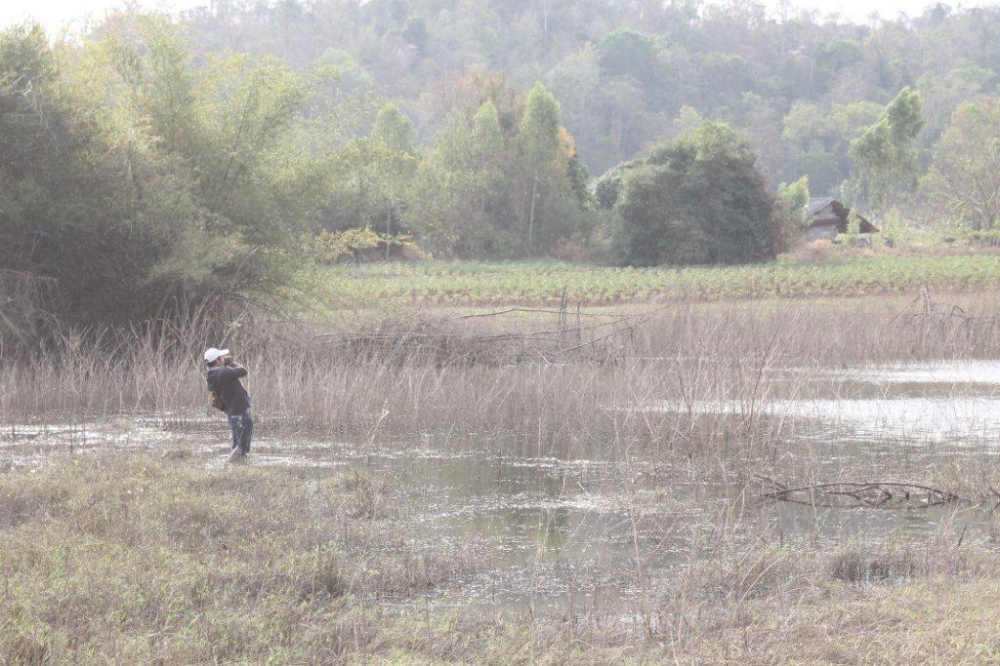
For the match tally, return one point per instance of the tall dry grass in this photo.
(605, 403)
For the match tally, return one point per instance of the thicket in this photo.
(132, 185)
(698, 200)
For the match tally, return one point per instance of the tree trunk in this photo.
(388, 231)
(531, 216)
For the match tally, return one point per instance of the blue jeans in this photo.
(242, 425)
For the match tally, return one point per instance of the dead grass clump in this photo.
(859, 565)
(27, 649)
(23, 501)
(369, 493)
(874, 563)
(924, 622)
(447, 343)
(730, 579)
(818, 250)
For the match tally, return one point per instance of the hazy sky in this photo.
(56, 14)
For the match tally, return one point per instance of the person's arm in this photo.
(233, 370)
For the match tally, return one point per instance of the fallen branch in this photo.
(444, 343)
(872, 495)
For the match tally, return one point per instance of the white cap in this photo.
(213, 354)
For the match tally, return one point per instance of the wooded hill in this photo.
(629, 72)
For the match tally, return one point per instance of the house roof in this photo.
(825, 212)
(816, 205)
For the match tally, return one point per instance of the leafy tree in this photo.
(608, 188)
(792, 201)
(724, 78)
(487, 134)
(892, 50)
(395, 160)
(884, 157)
(964, 180)
(760, 124)
(698, 200)
(370, 178)
(394, 130)
(89, 201)
(625, 52)
(833, 57)
(806, 124)
(818, 139)
(941, 93)
(455, 197)
(214, 139)
(60, 220)
(687, 121)
(415, 33)
(623, 121)
(593, 110)
(538, 145)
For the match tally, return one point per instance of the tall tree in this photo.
(964, 180)
(153, 178)
(455, 198)
(884, 157)
(538, 143)
(60, 222)
(394, 158)
(371, 177)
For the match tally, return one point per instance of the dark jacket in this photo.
(225, 380)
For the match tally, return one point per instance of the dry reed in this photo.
(571, 407)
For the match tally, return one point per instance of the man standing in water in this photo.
(229, 396)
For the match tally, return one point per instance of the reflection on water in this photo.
(954, 403)
(936, 372)
(553, 532)
(953, 419)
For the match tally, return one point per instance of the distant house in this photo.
(828, 217)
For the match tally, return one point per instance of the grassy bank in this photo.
(157, 560)
(127, 559)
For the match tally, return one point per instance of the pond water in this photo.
(552, 533)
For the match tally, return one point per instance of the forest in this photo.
(159, 159)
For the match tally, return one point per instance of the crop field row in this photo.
(546, 283)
